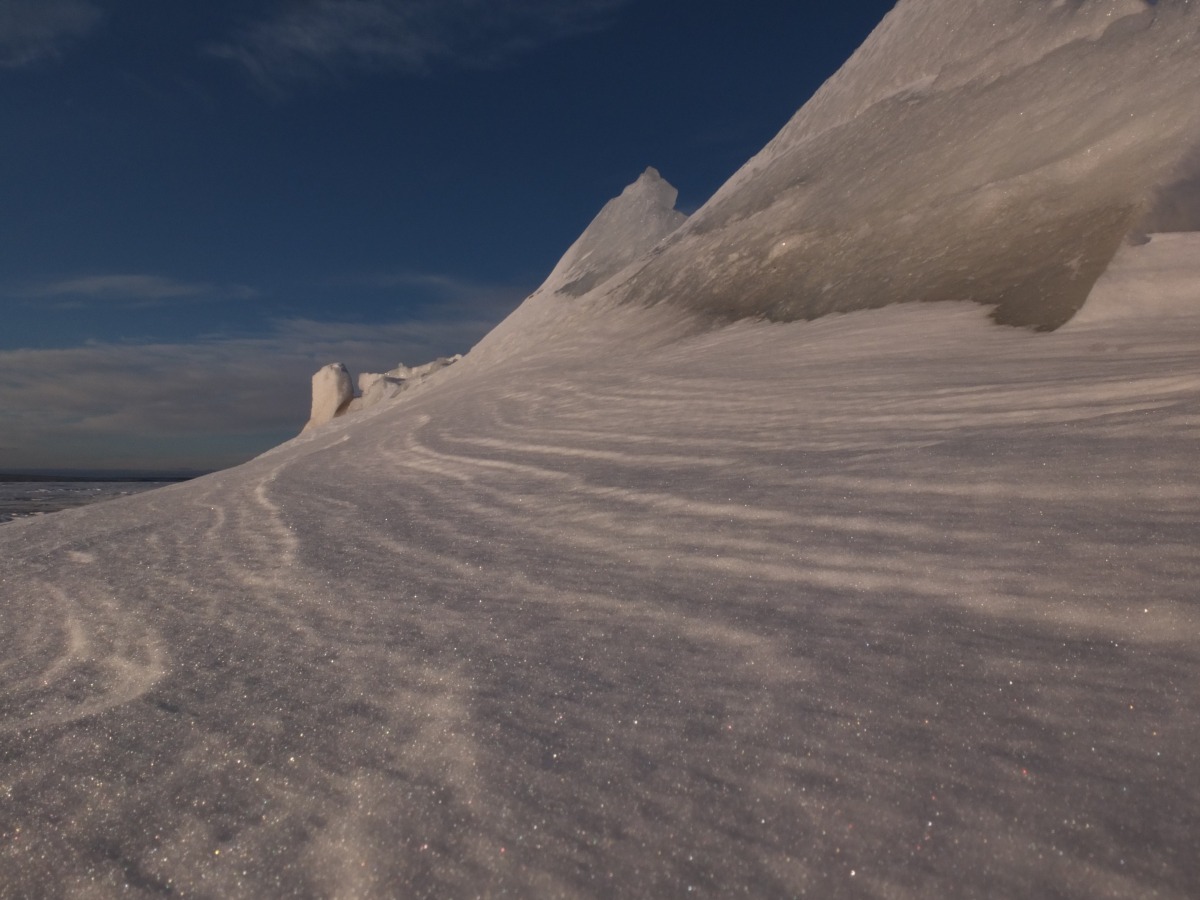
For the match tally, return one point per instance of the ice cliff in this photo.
(989, 151)
(625, 230)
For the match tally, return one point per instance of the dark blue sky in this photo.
(200, 203)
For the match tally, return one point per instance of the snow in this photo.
(630, 602)
(332, 391)
(1156, 279)
(628, 227)
(971, 150)
(381, 388)
(897, 592)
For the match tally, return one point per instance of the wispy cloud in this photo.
(125, 290)
(211, 402)
(453, 296)
(319, 38)
(36, 30)
(202, 404)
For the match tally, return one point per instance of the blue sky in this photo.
(202, 203)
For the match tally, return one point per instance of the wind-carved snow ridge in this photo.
(995, 151)
(627, 228)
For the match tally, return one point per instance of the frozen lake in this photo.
(22, 496)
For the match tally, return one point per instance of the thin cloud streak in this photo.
(33, 31)
(127, 290)
(454, 296)
(323, 38)
(243, 392)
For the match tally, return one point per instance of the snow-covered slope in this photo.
(971, 150)
(626, 229)
(893, 604)
(887, 604)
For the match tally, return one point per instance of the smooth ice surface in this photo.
(986, 150)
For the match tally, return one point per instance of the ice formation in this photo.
(1158, 278)
(1177, 208)
(378, 388)
(334, 396)
(988, 151)
(332, 391)
(627, 228)
(887, 604)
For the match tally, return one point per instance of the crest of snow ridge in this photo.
(626, 229)
(996, 151)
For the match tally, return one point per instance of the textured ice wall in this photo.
(626, 228)
(990, 150)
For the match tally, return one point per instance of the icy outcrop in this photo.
(988, 150)
(417, 373)
(332, 392)
(381, 388)
(625, 230)
(333, 389)
(378, 388)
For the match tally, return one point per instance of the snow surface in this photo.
(625, 230)
(21, 498)
(971, 150)
(888, 604)
(896, 603)
(1157, 278)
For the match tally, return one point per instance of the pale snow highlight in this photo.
(332, 391)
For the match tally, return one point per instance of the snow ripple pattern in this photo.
(76, 658)
(748, 610)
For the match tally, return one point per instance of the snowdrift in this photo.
(892, 604)
(983, 151)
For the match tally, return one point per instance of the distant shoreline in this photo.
(25, 495)
(84, 477)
